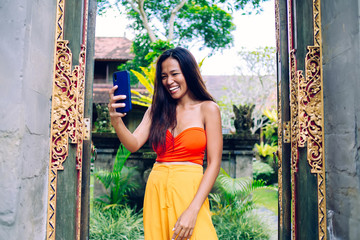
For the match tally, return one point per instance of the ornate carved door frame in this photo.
(70, 121)
(301, 120)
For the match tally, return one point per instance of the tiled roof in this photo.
(215, 84)
(112, 48)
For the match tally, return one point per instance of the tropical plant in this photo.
(248, 226)
(266, 154)
(265, 150)
(147, 80)
(234, 192)
(118, 183)
(231, 207)
(269, 130)
(117, 222)
(263, 171)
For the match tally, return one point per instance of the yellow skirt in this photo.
(169, 191)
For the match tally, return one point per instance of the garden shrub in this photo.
(232, 206)
(263, 171)
(116, 222)
(119, 182)
(246, 226)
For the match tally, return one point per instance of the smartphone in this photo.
(122, 80)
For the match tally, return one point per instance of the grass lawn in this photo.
(267, 198)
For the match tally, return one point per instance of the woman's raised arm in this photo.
(131, 141)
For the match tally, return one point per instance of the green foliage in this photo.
(145, 54)
(271, 115)
(118, 182)
(265, 150)
(246, 226)
(102, 123)
(117, 222)
(164, 24)
(234, 193)
(266, 154)
(156, 49)
(207, 20)
(270, 127)
(231, 207)
(147, 80)
(263, 171)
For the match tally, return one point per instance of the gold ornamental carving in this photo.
(60, 7)
(293, 110)
(303, 100)
(293, 115)
(315, 128)
(316, 156)
(294, 134)
(313, 109)
(311, 116)
(67, 122)
(279, 154)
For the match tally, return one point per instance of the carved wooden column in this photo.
(284, 211)
(69, 127)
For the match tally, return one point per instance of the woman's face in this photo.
(173, 79)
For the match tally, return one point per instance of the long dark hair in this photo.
(163, 109)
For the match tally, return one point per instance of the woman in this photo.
(181, 124)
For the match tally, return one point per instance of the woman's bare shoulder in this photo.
(209, 107)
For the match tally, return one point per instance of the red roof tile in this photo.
(112, 48)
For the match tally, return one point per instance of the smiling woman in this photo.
(176, 204)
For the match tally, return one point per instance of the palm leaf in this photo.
(140, 103)
(201, 62)
(138, 97)
(117, 183)
(144, 81)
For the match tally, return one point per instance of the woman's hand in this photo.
(114, 115)
(185, 224)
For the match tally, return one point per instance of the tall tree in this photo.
(256, 85)
(161, 24)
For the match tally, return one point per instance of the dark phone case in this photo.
(122, 80)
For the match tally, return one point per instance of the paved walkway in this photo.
(269, 218)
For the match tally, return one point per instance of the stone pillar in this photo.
(341, 66)
(238, 154)
(244, 159)
(27, 30)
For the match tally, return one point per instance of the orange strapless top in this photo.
(189, 146)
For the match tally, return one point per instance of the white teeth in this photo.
(173, 88)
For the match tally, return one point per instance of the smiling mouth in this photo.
(174, 89)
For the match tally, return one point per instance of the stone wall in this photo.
(340, 29)
(26, 63)
(237, 159)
